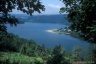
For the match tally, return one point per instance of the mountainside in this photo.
(43, 19)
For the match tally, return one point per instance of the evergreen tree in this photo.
(57, 56)
(77, 54)
(91, 55)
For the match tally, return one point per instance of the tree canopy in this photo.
(82, 15)
(26, 6)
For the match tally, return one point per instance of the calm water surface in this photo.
(37, 32)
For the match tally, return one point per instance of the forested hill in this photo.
(43, 18)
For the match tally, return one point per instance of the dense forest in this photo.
(16, 50)
(59, 18)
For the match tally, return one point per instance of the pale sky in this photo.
(52, 7)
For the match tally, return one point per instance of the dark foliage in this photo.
(57, 56)
(82, 15)
(26, 6)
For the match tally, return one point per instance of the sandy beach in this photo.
(51, 31)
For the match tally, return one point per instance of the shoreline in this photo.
(54, 31)
(73, 34)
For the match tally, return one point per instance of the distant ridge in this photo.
(57, 18)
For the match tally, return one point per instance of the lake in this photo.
(37, 32)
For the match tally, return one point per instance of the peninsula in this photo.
(66, 31)
(60, 31)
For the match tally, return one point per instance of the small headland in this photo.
(66, 31)
(60, 31)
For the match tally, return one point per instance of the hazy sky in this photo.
(52, 7)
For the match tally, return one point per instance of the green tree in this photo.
(26, 6)
(57, 56)
(82, 15)
(91, 55)
(77, 54)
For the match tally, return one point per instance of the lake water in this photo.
(37, 32)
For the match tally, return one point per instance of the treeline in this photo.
(16, 50)
(61, 19)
